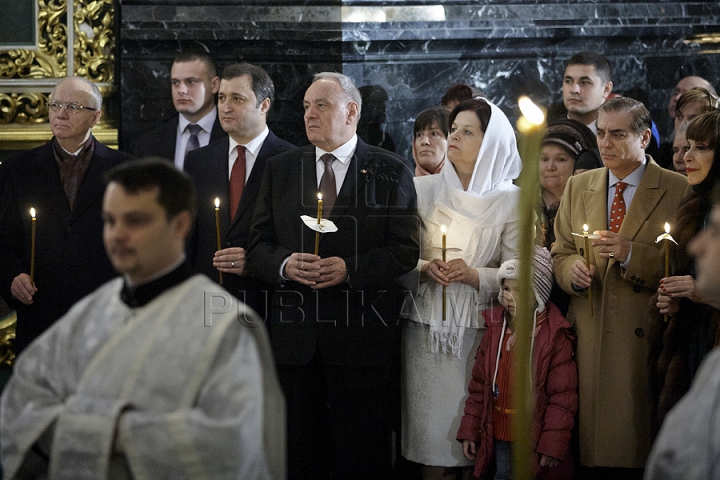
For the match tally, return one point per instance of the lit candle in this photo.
(319, 220)
(530, 127)
(32, 247)
(444, 259)
(217, 233)
(667, 257)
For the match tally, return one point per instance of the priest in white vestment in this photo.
(158, 374)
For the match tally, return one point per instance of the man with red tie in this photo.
(624, 206)
(230, 169)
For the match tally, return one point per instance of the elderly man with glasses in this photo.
(63, 182)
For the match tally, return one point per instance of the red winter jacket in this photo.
(556, 394)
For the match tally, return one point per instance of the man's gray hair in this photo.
(346, 84)
(94, 91)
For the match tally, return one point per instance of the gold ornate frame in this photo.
(27, 76)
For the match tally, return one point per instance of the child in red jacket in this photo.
(485, 430)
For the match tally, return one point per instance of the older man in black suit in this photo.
(194, 84)
(63, 181)
(333, 315)
(230, 169)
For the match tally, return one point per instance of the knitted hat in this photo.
(572, 135)
(542, 274)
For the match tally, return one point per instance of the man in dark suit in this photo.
(194, 85)
(333, 316)
(63, 181)
(220, 169)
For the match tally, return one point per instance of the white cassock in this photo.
(146, 393)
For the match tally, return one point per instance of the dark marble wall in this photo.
(414, 52)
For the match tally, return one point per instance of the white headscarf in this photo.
(498, 164)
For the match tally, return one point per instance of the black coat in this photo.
(354, 323)
(160, 141)
(70, 259)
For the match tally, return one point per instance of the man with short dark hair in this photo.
(62, 181)
(333, 317)
(624, 205)
(194, 83)
(230, 169)
(143, 378)
(586, 85)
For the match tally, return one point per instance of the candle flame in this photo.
(32, 213)
(319, 196)
(530, 111)
(217, 203)
(585, 228)
(667, 227)
(443, 229)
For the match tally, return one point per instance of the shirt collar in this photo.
(633, 179)
(254, 145)
(343, 153)
(205, 122)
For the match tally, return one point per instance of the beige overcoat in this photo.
(612, 346)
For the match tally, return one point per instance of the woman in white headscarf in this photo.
(474, 198)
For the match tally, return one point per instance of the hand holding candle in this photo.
(217, 233)
(32, 247)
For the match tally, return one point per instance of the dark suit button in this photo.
(632, 278)
(582, 252)
(68, 229)
(637, 288)
(642, 282)
(639, 332)
(227, 244)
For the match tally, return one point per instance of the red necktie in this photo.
(328, 188)
(237, 181)
(617, 211)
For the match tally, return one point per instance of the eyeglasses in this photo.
(73, 108)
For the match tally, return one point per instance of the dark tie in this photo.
(327, 183)
(193, 142)
(617, 211)
(237, 181)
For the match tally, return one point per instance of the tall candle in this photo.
(667, 258)
(587, 264)
(444, 259)
(530, 126)
(32, 247)
(319, 220)
(217, 233)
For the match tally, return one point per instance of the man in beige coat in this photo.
(610, 298)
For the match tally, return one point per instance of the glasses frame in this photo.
(73, 108)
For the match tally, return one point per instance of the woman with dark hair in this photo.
(430, 141)
(678, 347)
(473, 198)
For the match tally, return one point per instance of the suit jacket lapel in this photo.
(309, 185)
(595, 201)
(646, 198)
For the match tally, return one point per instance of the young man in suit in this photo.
(333, 317)
(194, 84)
(231, 169)
(63, 181)
(625, 204)
(586, 85)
